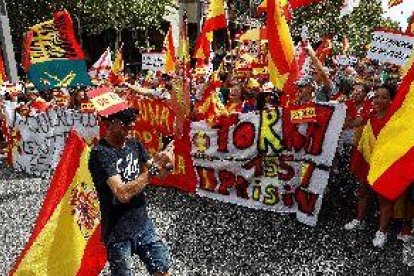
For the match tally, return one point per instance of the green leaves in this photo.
(122, 14)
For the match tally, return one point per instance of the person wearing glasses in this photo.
(121, 169)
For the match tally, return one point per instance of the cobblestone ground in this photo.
(213, 238)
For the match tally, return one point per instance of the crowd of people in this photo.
(365, 87)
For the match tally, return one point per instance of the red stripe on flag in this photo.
(295, 4)
(400, 172)
(61, 181)
(94, 256)
(215, 23)
(275, 45)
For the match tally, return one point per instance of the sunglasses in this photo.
(123, 123)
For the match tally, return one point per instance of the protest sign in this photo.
(41, 138)
(390, 46)
(155, 122)
(153, 61)
(265, 161)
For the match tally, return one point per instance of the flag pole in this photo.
(7, 44)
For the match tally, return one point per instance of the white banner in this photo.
(153, 61)
(391, 47)
(262, 160)
(42, 137)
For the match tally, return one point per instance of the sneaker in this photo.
(380, 239)
(405, 234)
(355, 225)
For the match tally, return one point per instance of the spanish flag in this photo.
(203, 45)
(392, 163)
(115, 76)
(284, 4)
(170, 59)
(216, 20)
(216, 17)
(387, 150)
(393, 3)
(118, 65)
(281, 49)
(66, 239)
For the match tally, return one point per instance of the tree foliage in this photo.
(323, 18)
(101, 15)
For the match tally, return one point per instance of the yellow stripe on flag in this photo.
(59, 247)
(367, 142)
(395, 139)
(276, 78)
(216, 8)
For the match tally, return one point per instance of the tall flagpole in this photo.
(7, 44)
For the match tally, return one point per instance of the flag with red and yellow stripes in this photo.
(281, 49)
(170, 58)
(392, 158)
(216, 17)
(216, 20)
(66, 239)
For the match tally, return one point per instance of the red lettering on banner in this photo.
(241, 187)
(243, 135)
(229, 180)
(286, 172)
(312, 142)
(223, 124)
(207, 178)
(255, 163)
(306, 201)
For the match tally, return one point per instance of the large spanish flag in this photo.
(281, 49)
(66, 239)
(216, 17)
(392, 161)
(170, 58)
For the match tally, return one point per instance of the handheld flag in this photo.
(52, 57)
(170, 58)
(281, 49)
(102, 66)
(393, 155)
(66, 239)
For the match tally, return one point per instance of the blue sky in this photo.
(400, 13)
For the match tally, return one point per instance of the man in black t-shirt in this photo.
(118, 166)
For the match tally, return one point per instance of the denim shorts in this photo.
(147, 245)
